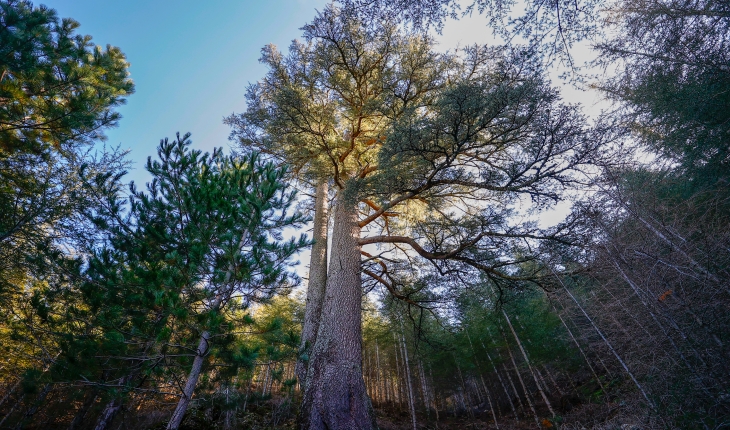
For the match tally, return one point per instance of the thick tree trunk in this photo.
(317, 282)
(334, 395)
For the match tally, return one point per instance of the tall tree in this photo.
(420, 147)
(58, 92)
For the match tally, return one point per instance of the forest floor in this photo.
(584, 417)
(279, 413)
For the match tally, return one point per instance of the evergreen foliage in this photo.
(444, 305)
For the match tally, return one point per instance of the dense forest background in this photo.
(178, 305)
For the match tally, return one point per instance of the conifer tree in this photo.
(204, 240)
(416, 145)
(58, 93)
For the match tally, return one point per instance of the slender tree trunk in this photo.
(108, 414)
(317, 282)
(248, 391)
(501, 382)
(529, 365)
(399, 386)
(182, 406)
(334, 394)
(435, 402)
(608, 344)
(636, 291)
(201, 352)
(10, 392)
(34, 407)
(464, 395)
(585, 357)
(552, 379)
(481, 377)
(424, 389)
(514, 389)
(522, 383)
(381, 388)
(89, 399)
(411, 400)
(10, 412)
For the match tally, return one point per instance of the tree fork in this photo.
(334, 394)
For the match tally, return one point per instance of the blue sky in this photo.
(190, 61)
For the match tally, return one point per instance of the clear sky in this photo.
(190, 61)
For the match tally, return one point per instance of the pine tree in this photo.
(166, 268)
(58, 93)
(406, 135)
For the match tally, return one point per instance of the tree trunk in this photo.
(381, 388)
(108, 414)
(570, 332)
(481, 377)
(317, 282)
(608, 344)
(399, 386)
(203, 347)
(522, 382)
(529, 365)
(10, 392)
(334, 395)
(193, 376)
(89, 399)
(501, 382)
(411, 400)
(40, 400)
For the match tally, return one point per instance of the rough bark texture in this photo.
(335, 396)
(317, 282)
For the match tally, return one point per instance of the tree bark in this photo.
(411, 400)
(481, 377)
(608, 344)
(522, 382)
(201, 352)
(108, 414)
(193, 376)
(577, 344)
(529, 365)
(501, 382)
(334, 395)
(317, 282)
(399, 386)
(89, 399)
